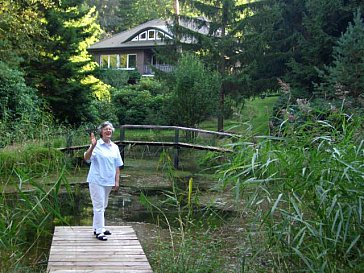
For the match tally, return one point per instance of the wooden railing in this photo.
(175, 140)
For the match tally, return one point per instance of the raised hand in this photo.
(93, 139)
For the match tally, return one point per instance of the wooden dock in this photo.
(75, 249)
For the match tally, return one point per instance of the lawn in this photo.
(254, 115)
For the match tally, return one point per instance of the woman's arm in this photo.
(88, 153)
(117, 178)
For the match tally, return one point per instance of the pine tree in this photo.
(345, 75)
(213, 34)
(60, 75)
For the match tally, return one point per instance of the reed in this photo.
(191, 246)
(26, 222)
(306, 193)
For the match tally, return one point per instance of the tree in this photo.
(213, 34)
(18, 100)
(345, 75)
(22, 30)
(290, 39)
(323, 22)
(194, 92)
(120, 15)
(61, 74)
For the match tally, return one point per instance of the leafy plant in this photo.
(306, 191)
(26, 220)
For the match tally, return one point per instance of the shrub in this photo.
(139, 107)
(30, 159)
(195, 92)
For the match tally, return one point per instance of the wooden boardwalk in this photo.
(75, 249)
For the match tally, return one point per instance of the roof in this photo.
(123, 39)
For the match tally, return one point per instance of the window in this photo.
(160, 35)
(115, 61)
(143, 36)
(132, 61)
(104, 61)
(123, 61)
(151, 34)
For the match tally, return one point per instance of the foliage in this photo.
(306, 191)
(184, 251)
(214, 34)
(26, 221)
(18, 101)
(118, 78)
(21, 30)
(120, 15)
(195, 92)
(134, 106)
(192, 255)
(31, 160)
(60, 74)
(344, 77)
(290, 39)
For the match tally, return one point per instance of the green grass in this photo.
(253, 117)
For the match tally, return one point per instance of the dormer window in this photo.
(143, 36)
(160, 35)
(151, 34)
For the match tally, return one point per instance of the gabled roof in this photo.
(123, 39)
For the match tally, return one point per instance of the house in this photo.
(133, 49)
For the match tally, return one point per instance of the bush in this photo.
(195, 92)
(30, 159)
(118, 78)
(139, 107)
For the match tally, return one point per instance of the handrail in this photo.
(162, 127)
(177, 144)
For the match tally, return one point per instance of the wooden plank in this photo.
(75, 249)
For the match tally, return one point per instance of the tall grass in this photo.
(31, 159)
(26, 221)
(191, 246)
(306, 192)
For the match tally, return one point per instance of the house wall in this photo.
(144, 57)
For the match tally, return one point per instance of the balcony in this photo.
(162, 67)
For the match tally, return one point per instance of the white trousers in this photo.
(100, 197)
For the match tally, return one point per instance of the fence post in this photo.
(69, 140)
(176, 148)
(122, 138)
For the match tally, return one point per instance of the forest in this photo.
(301, 178)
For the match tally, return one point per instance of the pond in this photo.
(212, 208)
(143, 180)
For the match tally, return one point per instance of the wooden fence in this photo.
(175, 140)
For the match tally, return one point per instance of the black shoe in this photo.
(101, 237)
(107, 232)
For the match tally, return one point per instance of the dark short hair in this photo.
(103, 125)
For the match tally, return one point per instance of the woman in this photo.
(103, 175)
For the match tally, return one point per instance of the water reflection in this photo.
(126, 207)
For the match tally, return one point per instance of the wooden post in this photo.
(122, 138)
(69, 141)
(176, 148)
